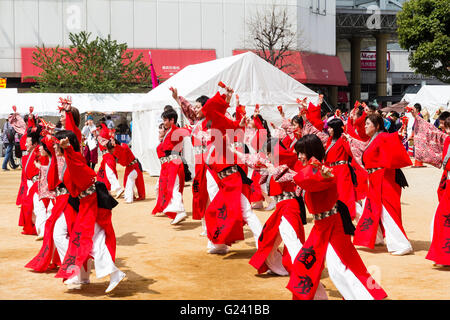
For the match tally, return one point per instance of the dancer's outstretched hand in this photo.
(64, 143)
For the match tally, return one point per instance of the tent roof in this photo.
(432, 97)
(255, 80)
(45, 104)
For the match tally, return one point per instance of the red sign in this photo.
(369, 60)
(313, 68)
(165, 61)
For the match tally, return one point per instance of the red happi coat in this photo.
(200, 138)
(26, 210)
(223, 216)
(124, 157)
(170, 170)
(48, 257)
(340, 151)
(439, 251)
(77, 178)
(107, 160)
(387, 152)
(321, 196)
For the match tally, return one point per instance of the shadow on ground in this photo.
(129, 239)
(133, 284)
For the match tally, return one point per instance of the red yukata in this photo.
(31, 173)
(23, 183)
(381, 158)
(314, 116)
(223, 217)
(200, 142)
(48, 257)
(328, 241)
(288, 208)
(79, 180)
(23, 189)
(107, 160)
(256, 144)
(200, 138)
(126, 158)
(71, 126)
(359, 127)
(439, 251)
(169, 154)
(337, 156)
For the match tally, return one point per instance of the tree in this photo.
(271, 35)
(98, 66)
(424, 30)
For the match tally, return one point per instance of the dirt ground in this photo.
(167, 262)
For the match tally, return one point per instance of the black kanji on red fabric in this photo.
(307, 256)
(447, 220)
(42, 255)
(76, 241)
(101, 173)
(195, 186)
(446, 245)
(369, 205)
(304, 285)
(218, 232)
(366, 224)
(70, 261)
(222, 212)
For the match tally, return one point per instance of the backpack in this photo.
(10, 134)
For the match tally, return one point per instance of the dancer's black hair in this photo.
(311, 146)
(72, 138)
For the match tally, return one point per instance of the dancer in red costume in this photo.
(133, 171)
(30, 199)
(257, 135)
(383, 157)
(200, 138)
(46, 197)
(92, 233)
(286, 222)
(107, 172)
(58, 225)
(228, 183)
(171, 179)
(330, 238)
(338, 155)
(433, 147)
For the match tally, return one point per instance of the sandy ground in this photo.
(167, 262)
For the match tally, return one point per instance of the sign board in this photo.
(369, 60)
(2, 83)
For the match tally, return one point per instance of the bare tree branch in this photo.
(272, 35)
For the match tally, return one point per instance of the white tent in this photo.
(432, 97)
(253, 79)
(45, 104)
(408, 97)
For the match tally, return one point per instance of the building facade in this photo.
(220, 25)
